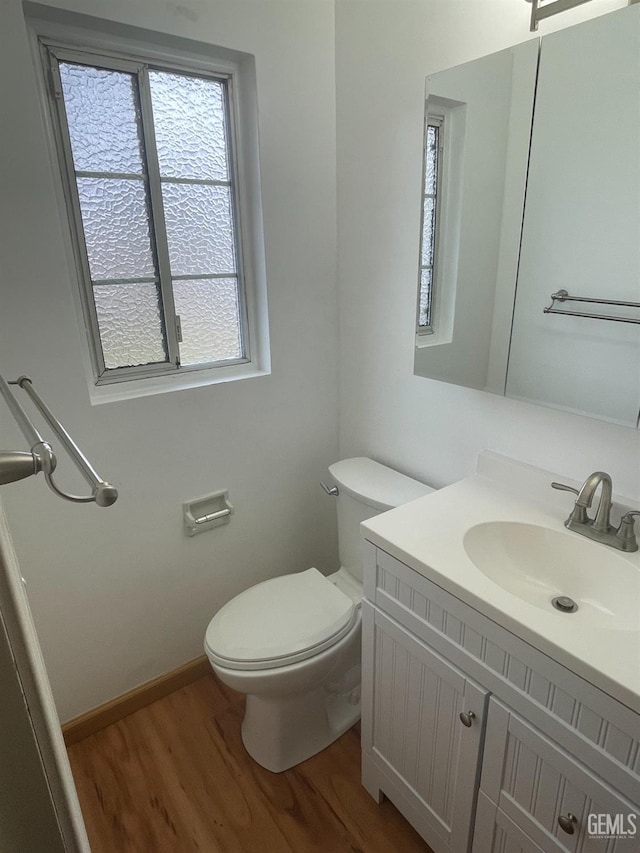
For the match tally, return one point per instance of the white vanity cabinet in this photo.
(483, 742)
(421, 747)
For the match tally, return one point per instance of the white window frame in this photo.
(68, 42)
(450, 192)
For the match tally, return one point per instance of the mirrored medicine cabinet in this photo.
(536, 180)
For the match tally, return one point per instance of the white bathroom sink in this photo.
(496, 541)
(537, 564)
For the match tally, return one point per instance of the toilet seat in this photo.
(279, 622)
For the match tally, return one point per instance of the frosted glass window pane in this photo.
(130, 325)
(116, 227)
(424, 312)
(431, 154)
(210, 319)
(428, 231)
(190, 125)
(103, 117)
(199, 229)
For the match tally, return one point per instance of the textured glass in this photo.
(130, 324)
(424, 311)
(199, 229)
(431, 161)
(428, 231)
(103, 119)
(190, 125)
(210, 319)
(116, 227)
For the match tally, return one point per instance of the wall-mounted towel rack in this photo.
(16, 465)
(563, 296)
(540, 10)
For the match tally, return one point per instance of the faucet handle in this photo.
(626, 533)
(562, 488)
(579, 512)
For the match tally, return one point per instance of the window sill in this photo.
(435, 339)
(175, 382)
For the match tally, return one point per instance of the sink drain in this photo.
(564, 604)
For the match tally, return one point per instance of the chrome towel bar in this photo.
(563, 296)
(540, 10)
(15, 465)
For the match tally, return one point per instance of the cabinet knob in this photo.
(568, 823)
(467, 718)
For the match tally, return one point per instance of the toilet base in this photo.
(281, 732)
(296, 710)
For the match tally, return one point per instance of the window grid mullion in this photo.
(148, 279)
(197, 182)
(119, 176)
(232, 158)
(157, 217)
(201, 276)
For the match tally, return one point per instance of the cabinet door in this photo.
(418, 751)
(556, 801)
(580, 229)
(496, 833)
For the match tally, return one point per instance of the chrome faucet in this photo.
(599, 528)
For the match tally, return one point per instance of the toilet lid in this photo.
(279, 621)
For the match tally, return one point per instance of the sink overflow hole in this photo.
(564, 604)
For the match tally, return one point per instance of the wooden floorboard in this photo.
(174, 778)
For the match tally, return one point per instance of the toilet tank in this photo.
(366, 488)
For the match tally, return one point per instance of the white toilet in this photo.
(292, 643)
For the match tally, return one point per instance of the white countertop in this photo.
(427, 534)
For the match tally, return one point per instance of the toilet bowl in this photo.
(292, 644)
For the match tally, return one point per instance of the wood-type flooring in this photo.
(174, 778)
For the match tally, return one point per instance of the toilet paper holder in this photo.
(207, 512)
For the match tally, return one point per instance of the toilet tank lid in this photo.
(375, 484)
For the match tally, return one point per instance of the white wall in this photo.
(384, 50)
(120, 595)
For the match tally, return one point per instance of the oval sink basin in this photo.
(536, 564)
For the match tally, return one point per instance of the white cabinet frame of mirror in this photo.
(581, 222)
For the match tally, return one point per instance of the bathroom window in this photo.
(149, 159)
(431, 204)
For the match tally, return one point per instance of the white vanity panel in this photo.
(414, 731)
(497, 833)
(534, 782)
(554, 742)
(602, 732)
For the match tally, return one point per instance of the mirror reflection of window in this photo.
(431, 204)
(470, 237)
